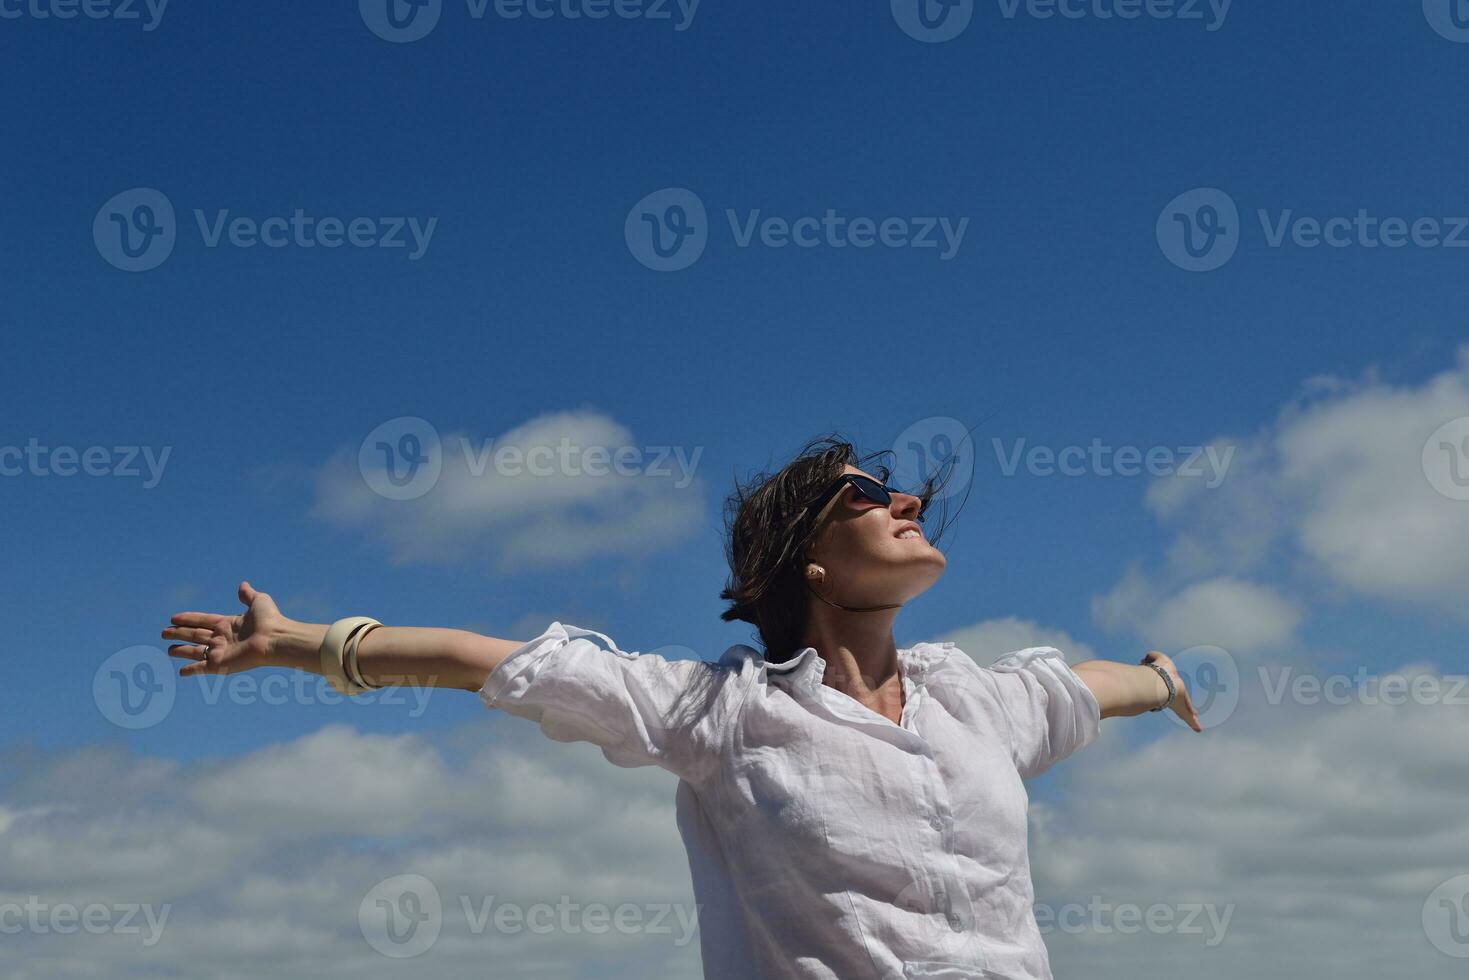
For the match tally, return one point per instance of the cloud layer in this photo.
(561, 488)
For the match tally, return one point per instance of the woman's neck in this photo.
(861, 657)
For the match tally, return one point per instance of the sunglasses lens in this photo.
(872, 490)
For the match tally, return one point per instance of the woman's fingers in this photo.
(1185, 709)
(1183, 705)
(189, 634)
(200, 619)
(199, 667)
(188, 651)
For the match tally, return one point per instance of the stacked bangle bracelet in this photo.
(339, 655)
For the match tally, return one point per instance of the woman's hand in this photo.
(1183, 705)
(220, 644)
(405, 656)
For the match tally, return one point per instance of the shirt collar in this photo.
(806, 667)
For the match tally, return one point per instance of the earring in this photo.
(815, 571)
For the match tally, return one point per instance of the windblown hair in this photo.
(770, 524)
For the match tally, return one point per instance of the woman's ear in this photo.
(815, 572)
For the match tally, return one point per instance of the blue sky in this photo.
(1060, 319)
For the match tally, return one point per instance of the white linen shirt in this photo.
(824, 841)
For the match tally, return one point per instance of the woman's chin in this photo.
(923, 572)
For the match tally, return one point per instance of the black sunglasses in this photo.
(869, 489)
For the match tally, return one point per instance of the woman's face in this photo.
(873, 554)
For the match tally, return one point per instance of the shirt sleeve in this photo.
(1051, 711)
(641, 709)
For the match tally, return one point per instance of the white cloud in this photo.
(367, 784)
(1324, 828)
(261, 862)
(1327, 828)
(1245, 618)
(993, 638)
(568, 504)
(1338, 485)
(1334, 496)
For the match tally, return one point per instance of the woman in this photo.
(850, 809)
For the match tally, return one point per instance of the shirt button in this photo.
(956, 923)
(936, 824)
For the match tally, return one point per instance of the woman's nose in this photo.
(906, 506)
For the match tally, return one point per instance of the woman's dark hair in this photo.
(769, 524)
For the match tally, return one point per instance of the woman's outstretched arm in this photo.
(1124, 690)
(261, 636)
